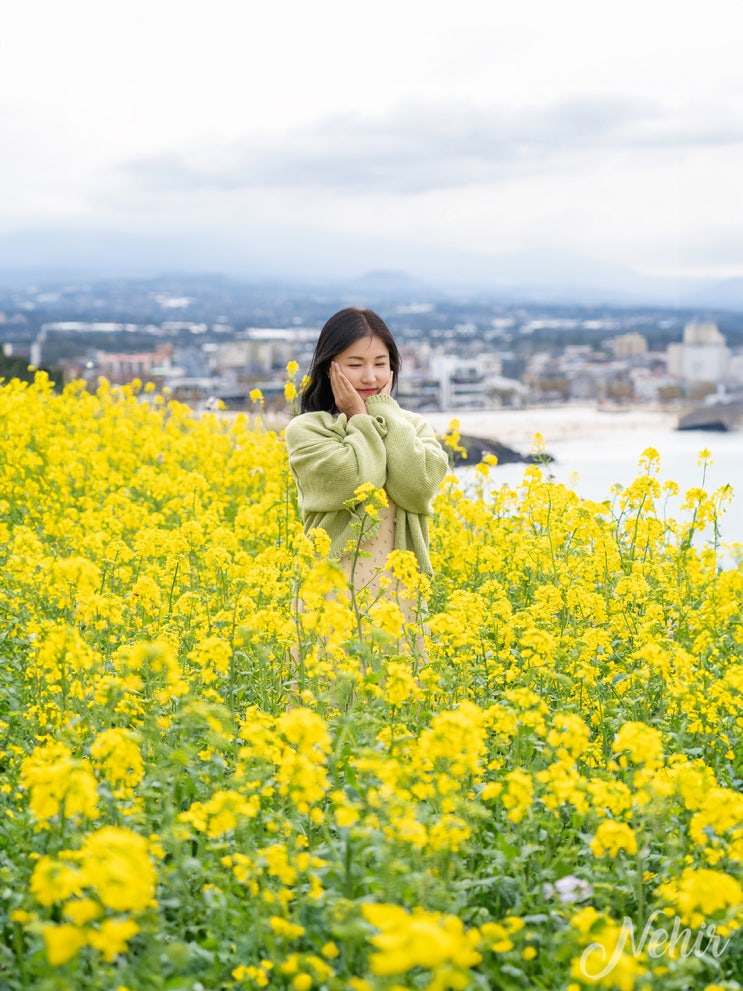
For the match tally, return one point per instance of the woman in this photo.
(352, 431)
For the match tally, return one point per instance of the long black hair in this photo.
(341, 331)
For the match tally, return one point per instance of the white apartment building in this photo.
(461, 381)
(472, 382)
(702, 356)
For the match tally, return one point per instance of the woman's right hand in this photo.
(346, 397)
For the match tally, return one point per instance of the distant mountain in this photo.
(551, 274)
(103, 253)
(726, 294)
(416, 273)
(384, 282)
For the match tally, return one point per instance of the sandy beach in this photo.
(516, 427)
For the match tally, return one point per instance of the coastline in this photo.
(595, 449)
(516, 427)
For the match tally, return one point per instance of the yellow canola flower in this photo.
(650, 460)
(155, 661)
(400, 684)
(643, 743)
(386, 616)
(607, 961)
(153, 559)
(537, 444)
(55, 881)
(278, 863)
(346, 814)
(305, 729)
(570, 734)
(563, 784)
(80, 911)
(285, 928)
(222, 813)
(611, 837)
(212, 657)
(21, 916)
(448, 833)
(452, 436)
(321, 541)
(419, 939)
(403, 565)
(518, 794)
(112, 937)
(117, 753)
(614, 797)
(301, 771)
(62, 658)
(62, 942)
(717, 824)
(456, 738)
(257, 975)
(116, 865)
(700, 895)
(498, 936)
(368, 499)
(59, 784)
(112, 866)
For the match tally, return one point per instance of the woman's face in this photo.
(366, 365)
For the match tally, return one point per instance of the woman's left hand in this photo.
(386, 390)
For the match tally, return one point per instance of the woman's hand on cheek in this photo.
(346, 397)
(387, 388)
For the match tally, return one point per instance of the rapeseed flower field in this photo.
(206, 785)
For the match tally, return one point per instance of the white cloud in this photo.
(415, 149)
(484, 125)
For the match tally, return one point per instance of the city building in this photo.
(629, 345)
(702, 355)
(461, 382)
(123, 367)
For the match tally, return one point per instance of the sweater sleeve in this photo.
(331, 456)
(416, 462)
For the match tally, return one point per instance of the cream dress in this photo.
(371, 566)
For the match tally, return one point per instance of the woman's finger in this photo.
(340, 386)
(337, 385)
(342, 382)
(346, 397)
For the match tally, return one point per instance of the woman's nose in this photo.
(368, 375)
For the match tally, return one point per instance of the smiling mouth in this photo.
(368, 392)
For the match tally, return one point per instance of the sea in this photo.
(595, 449)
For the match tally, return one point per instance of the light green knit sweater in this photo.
(394, 449)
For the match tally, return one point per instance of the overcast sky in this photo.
(332, 134)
